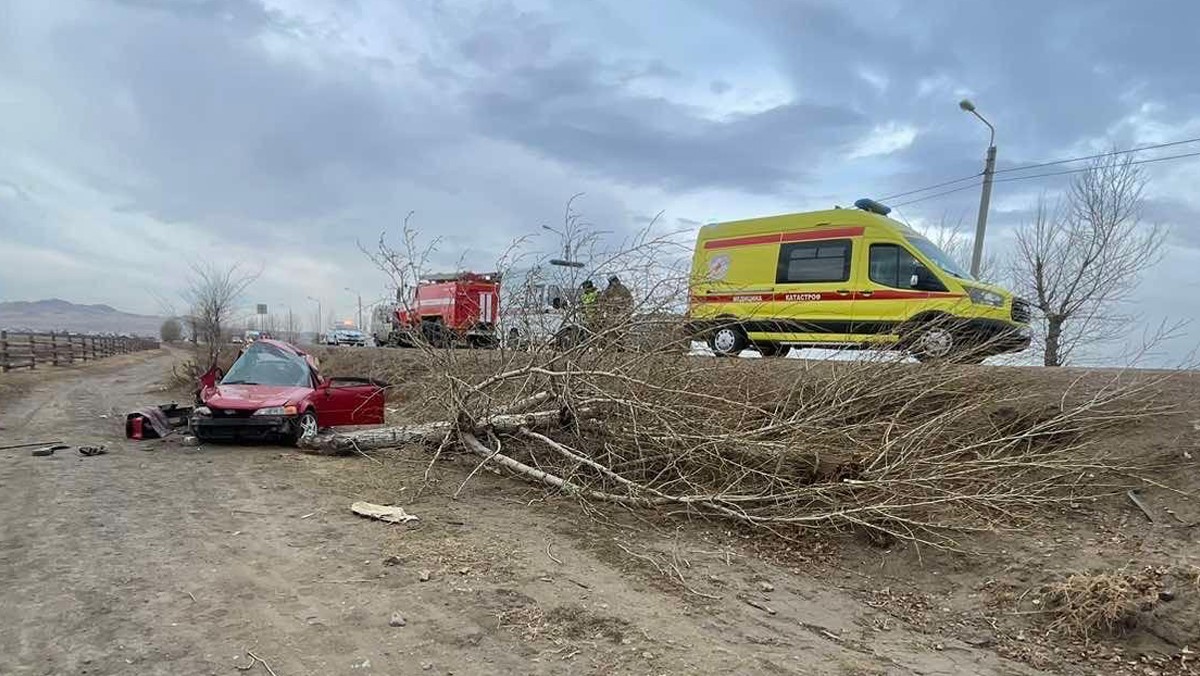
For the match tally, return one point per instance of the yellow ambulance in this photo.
(845, 278)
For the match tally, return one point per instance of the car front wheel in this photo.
(306, 427)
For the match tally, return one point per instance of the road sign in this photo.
(262, 309)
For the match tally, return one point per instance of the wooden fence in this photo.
(30, 350)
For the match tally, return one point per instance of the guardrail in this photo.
(30, 350)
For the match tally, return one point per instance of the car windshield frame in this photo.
(940, 258)
(264, 364)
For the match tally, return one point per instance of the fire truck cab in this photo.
(448, 310)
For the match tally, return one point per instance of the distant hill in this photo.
(60, 315)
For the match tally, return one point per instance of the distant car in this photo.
(346, 336)
(274, 391)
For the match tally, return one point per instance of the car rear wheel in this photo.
(727, 341)
(306, 427)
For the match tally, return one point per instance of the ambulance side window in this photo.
(814, 262)
(891, 265)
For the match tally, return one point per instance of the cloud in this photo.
(883, 140)
(579, 109)
(142, 134)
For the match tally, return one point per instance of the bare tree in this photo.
(213, 293)
(1078, 260)
(171, 330)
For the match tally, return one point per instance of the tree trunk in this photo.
(438, 431)
(1053, 340)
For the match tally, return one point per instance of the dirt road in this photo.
(162, 559)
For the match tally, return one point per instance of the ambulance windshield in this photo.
(940, 258)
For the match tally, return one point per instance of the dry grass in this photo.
(1085, 605)
(902, 451)
(569, 623)
(453, 556)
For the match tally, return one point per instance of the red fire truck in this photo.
(445, 311)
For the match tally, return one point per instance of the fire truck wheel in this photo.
(434, 334)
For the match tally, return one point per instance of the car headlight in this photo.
(202, 411)
(276, 410)
(984, 297)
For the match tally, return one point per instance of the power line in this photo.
(1081, 169)
(930, 187)
(1097, 156)
(1043, 175)
(1038, 165)
(936, 194)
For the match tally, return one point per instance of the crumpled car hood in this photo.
(243, 397)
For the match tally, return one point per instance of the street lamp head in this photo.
(966, 105)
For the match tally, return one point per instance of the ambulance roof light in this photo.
(867, 204)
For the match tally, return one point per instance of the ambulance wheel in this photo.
(771, 349)
(727, 341)
(933, 343)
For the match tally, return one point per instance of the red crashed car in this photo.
(274, 391)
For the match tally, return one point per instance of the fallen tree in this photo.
(910, 451)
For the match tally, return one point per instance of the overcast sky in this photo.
(139, 135)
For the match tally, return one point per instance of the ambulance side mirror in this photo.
(924, 280)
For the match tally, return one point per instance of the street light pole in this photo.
(565, 261)
(359, 295)
(317, 328)
(985, 198)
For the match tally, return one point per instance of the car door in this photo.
(349, 401)
(814, 287)
(888, 297)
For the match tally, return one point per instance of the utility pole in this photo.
(985, 198)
